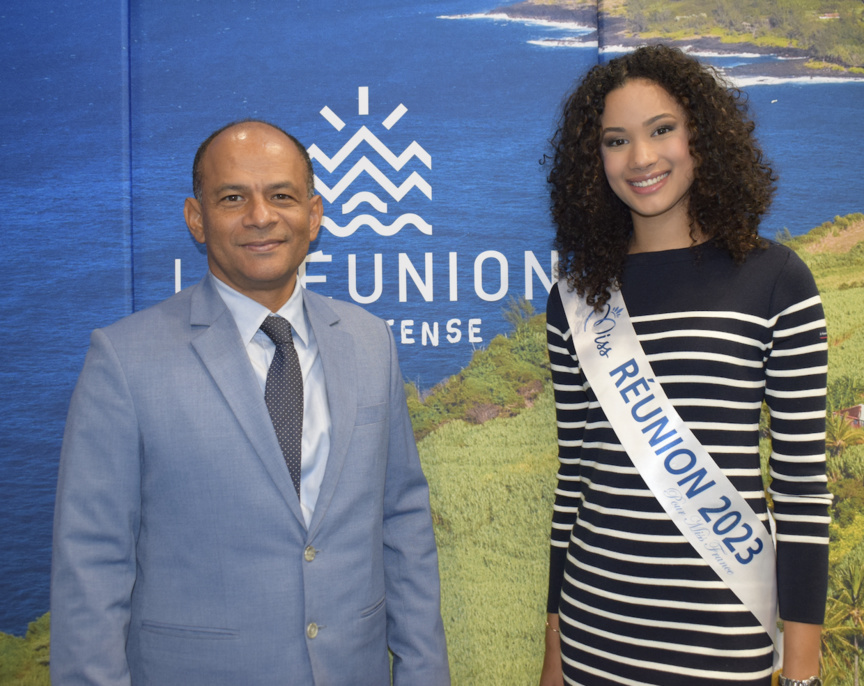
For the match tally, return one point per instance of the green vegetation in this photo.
(834, 252)
(491, 489)
(819, 65)
(489, 450)
(24, 661)
(501, 380)
(843, 636)
(809, 241)
(831, 32)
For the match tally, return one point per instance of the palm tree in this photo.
(845, 617)
(840, 434)
(518, 311)
(834, 676)
(836, 662)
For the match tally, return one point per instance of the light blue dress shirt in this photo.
(248, 315)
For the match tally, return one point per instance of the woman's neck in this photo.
(654, 234)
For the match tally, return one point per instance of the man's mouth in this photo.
(262, 246)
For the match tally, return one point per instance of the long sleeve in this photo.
(96, 524)
(571, 411)
(795, 393)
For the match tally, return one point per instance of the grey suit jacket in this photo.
(180, 552)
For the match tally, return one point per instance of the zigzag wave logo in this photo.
(364, 169)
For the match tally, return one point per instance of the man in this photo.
(182, 552)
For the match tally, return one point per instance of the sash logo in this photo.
(601, 328)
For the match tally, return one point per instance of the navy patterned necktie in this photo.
(283, 394)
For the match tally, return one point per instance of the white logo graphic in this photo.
(396, 190)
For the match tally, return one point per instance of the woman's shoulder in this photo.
(768, 266)
(784, 274)
(776, 257)
(780, 260)
(556, 317)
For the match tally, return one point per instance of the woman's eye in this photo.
(664, 129)
(613, 142)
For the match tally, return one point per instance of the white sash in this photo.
(684, 478)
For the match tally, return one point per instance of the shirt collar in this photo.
(249, 314)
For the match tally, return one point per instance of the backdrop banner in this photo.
(428, 122)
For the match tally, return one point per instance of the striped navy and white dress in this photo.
(637, 604)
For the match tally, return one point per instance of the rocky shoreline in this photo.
(613, 28)
(585, 15)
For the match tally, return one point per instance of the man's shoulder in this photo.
(155, 319)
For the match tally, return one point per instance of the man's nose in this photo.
(260, 214)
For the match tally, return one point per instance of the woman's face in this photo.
(645, 149)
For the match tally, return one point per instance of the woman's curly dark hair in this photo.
(732, 186)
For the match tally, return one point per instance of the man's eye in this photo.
(231, 198)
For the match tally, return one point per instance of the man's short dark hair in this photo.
(197, 177)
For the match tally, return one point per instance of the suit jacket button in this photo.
(309, 553)
(312, 630)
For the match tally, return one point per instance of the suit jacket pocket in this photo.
(371, 414)
(373, 609)
(164, 654)
(184, 631)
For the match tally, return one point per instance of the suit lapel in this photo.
(336, 347)
(216, 340)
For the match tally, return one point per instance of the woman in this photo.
(658, 187)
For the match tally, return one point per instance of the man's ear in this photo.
(194, 219)
(316, 215)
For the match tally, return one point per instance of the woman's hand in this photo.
(552, 674)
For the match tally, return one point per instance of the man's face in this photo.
(255, 215)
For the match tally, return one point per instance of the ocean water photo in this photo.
(99, 142)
